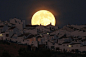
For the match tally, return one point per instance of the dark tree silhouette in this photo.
(5, 54)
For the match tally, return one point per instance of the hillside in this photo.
(15, 50)
(11, 48)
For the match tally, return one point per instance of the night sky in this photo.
(65, 11)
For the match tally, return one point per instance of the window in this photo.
(57, 48)
(70, 46)
(76, 40)
(15, 21)
(59, 44)
(47, 33)
(82, 40)
(16, 41)
(7, 35)
(46, 43)
(53, 43)
(40, 34)
(52, 47)
(72, 39)
(1, 35)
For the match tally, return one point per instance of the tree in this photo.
(22, 52)
(5, 54)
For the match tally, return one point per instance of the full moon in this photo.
(43, 17)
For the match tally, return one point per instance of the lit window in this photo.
(40, 34)
(0, 34)
(69, 46)
(47, 33)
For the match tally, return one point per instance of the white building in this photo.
(70, 37)
(18, 23)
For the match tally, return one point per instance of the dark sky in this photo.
(65, 11)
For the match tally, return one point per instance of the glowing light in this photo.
(40, 34)
(43, 17)
(69, 46)
(47, 33)
(1, 35)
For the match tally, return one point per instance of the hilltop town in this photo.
(68, 38)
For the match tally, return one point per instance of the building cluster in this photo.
(69, 38)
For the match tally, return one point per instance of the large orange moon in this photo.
(43, 17)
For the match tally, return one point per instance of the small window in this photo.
(1, 35)
(53, 43)
(47, 33)
(15, 21)
(83, 30)
(76, 40)
(46, 43)
(7, 35)
(82, 40)
(52, 46)
(57, 48)
(40, 34)
(70, 46)
(72, 39)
